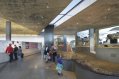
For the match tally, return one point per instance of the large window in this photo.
(109, 35)
(83, 38)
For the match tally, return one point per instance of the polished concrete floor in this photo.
(32, 67)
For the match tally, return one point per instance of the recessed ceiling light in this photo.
(108, 9)
(47, 6)
(77, 23)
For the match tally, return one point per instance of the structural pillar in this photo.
(49, 35)
(76, 40)
(8, 30)
(65, 43)
(96, 37)
(92, 41)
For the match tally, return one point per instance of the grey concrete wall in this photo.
(83, 49)
(28, 52)
(68, 65)
(82, 72)
(109, 54)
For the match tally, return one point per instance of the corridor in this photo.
(32, 67)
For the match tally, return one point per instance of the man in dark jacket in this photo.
(46, 51)
(9, 51)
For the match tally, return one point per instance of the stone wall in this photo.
(109, 54)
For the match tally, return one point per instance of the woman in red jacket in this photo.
(9, 51)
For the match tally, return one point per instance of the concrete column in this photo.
(76, 40)
(96, 37)
(8, 30)
(92, 41)
(65, 43)
(49, 35)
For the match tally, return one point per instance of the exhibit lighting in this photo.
(72, 9)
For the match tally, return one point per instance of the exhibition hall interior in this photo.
(59, 39)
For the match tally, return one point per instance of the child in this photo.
(59, 65)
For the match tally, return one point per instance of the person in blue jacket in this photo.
(59, 66)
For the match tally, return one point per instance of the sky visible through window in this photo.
(102, 32)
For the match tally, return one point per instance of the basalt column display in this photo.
(49, 35)
(8, 30)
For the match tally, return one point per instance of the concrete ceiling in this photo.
(103, 13)
(29, 16)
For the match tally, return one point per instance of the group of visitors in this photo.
(14, 53)
(50, 54)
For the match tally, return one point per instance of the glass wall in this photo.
(109, 37)
(83, 38)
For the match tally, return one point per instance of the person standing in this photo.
(53, 52)
(15, 52)
(46, 52)
(59, 66)
(54, 55)
(20, 53)
(9, 51)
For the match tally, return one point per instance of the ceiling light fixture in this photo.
(47, 6)
(108, 9)
(66, 10)
(72, 10)
(77, 23)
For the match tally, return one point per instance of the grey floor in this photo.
(32, 67)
